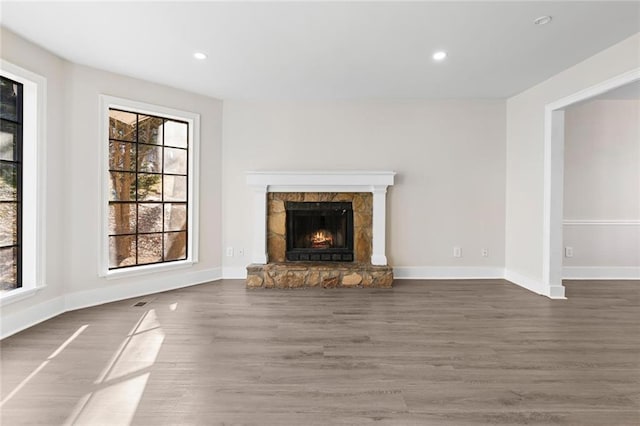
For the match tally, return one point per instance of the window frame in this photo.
(34, 188)
(110, 102)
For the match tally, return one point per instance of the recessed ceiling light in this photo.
(542, 20)
(200, 56)
(440, 55)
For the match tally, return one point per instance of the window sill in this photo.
(12, 296)
(146, 269)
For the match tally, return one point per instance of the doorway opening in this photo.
(553, 251)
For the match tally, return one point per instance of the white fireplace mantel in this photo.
(375, 182)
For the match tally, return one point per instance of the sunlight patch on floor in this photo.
(121, 384)
(44, 364)
(115, 404)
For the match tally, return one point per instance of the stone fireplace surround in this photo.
(365, 189)
(276, 220)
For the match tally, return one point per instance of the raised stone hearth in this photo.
(326, 275)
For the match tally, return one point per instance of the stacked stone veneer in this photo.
(362, 221)
(281, 274)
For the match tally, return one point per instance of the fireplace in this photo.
(319, 231)
(324, 229)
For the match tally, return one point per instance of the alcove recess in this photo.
(273, 266)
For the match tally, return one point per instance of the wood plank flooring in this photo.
(423, 353)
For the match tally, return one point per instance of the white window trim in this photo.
(34, 174)
(193, 178)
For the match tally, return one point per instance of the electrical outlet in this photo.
(229, 251)
(240, 252)
(485, 252)
(457, 252)
(568, 252)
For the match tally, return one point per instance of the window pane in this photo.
(149, 158)
(8, 224)
(122, 125)
(8, 268)
(122, 218)
(8, 139)
(175, 161)
(8, 182)
(175, 134)
(175, 188)
(149, 248)
(150, 129)
(175, 217)
(122, 186)
(149, 187)
(122, 251)
(122, 156)
(149, 217)
(9, 94)
(175, 246)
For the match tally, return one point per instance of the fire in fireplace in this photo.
(319, 231)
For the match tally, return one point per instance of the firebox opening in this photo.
(319, 231)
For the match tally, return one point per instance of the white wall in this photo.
(31, 57)
(449, 156)
(525, 156)
(602, 160)
(602, 184)
(73, 192)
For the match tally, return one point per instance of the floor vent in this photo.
(140, 304)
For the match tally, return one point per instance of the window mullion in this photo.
(137, 191)
(186, 227)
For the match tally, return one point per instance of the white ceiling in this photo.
(328, 50)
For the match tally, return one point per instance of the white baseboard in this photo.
(110, 292)
(601, 273)
(234, 272)
(30, 316)
(534, 285)
(524, 281)
(446, 272)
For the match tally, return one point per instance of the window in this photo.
(22, 182)
(10, 184)
(149, 171)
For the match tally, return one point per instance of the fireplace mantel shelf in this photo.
(321, 181)
(375, 182)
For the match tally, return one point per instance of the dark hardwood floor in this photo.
(423, 353)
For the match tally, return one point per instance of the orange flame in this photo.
(320, 239)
